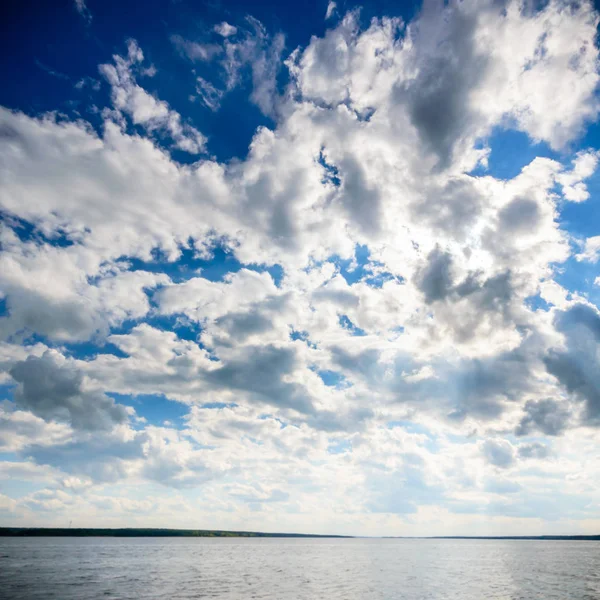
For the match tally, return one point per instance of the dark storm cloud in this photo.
(55, 392)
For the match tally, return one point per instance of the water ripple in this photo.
(299, 569)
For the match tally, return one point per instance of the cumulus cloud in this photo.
(591, 250)
(572, 182)
(576, 366)
(534, 450)
(333, 311)
(20, 429)
(56, 392)
(547, 416)
(225, 29)
(499, 453)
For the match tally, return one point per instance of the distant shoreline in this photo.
(588, 538)
(144, 532)
(209, 533)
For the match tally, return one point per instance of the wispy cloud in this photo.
(84, 11)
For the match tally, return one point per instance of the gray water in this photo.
(350, 569)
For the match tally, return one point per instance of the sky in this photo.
(314, 267)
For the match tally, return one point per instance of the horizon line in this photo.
(175, 532)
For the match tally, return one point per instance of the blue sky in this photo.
(328, 268)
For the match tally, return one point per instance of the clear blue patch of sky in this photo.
(331, 171)
(302, 336)
(184, 328)
(347, 324)
(189, 264)
(537, 303)
(579, 277)
(353, 270)
(9, 457)
(378, 279)
(218, 405)
(155, 408)
(511, 150)
(333, 379)
(361, 268)
(6, 391)
(89, 349)
(265, 416)
(591, 137)
(29, 232)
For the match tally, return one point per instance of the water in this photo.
(352, 569)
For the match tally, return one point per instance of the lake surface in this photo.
(350, 569)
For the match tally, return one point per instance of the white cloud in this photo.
(195, 51)
(330, 10)
(56, 392)
(591, 250)
(350, 375)
(143, 108)
(83, 10)
(209, 95)
(225, 29)
(574, 188)
(252, 50)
